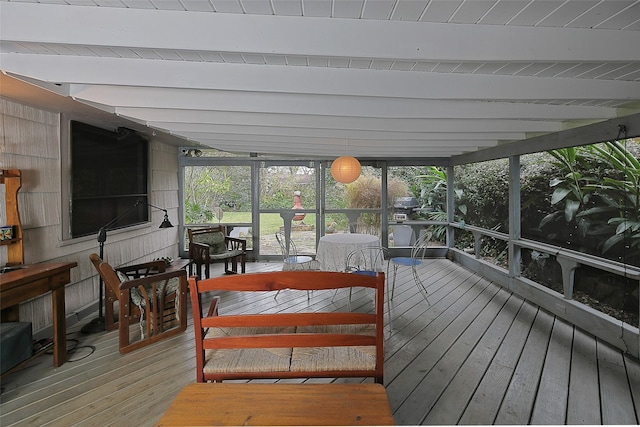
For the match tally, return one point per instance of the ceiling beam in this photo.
(332, 151)
(360, 147)
(330, 105)
(332, 37)
(67, 69)
(163, 115)
(248, 129)
(595, 133)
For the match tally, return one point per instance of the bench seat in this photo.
(291, 359)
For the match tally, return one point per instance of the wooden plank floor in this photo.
(476, 355)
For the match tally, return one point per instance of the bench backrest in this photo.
(296, 330)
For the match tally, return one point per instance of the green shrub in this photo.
(485, 193)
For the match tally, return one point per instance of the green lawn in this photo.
(269, 222)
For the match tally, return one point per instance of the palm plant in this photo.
(620, 194)
(598, 191)
(571, 188)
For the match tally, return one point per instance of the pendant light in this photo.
(345, 169)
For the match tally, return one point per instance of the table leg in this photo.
(59, 327)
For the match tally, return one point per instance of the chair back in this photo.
(106, 272)
(419, 249)
(367, 260)
(288, 247)
(213, 237)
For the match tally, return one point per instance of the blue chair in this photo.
(418, 253)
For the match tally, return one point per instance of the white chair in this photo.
(290, 258)
(418, 253)
(367, 261)
(239, 232)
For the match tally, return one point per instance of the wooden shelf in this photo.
(10, 241)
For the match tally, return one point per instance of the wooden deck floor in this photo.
(476, 355)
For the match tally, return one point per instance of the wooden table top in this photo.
(32, 272)
(207, 404)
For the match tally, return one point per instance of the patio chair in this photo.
(210, 244)
(418, 253)
(366, 261)
(290, 258)
(158, 301)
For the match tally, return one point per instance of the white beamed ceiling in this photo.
(376, 78)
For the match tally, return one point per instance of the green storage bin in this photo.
(16, 344)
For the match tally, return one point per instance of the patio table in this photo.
(333, 249)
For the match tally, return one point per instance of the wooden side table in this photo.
(208, 404)
(178, 264)
(33, 280)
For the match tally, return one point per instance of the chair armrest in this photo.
(235, 243)
(199, 252)
(144, 269)
(162, 278)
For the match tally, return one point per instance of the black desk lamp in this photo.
(97, 324)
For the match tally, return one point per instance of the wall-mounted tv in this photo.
(109, 171)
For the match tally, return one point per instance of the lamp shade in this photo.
(165, 222)
(345, 169)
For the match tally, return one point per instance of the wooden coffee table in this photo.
(207, 404)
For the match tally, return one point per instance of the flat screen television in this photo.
(109, 174)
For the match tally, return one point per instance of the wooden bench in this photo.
(287, 345)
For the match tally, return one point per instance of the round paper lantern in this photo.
(345, 169)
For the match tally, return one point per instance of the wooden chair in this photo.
(210, 244)
(145, 294)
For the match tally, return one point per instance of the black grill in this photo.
(405, 205)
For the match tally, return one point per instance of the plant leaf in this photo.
(570, 209)
(623, 226)
(559, 194)
(611, 242)
(555, 181)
